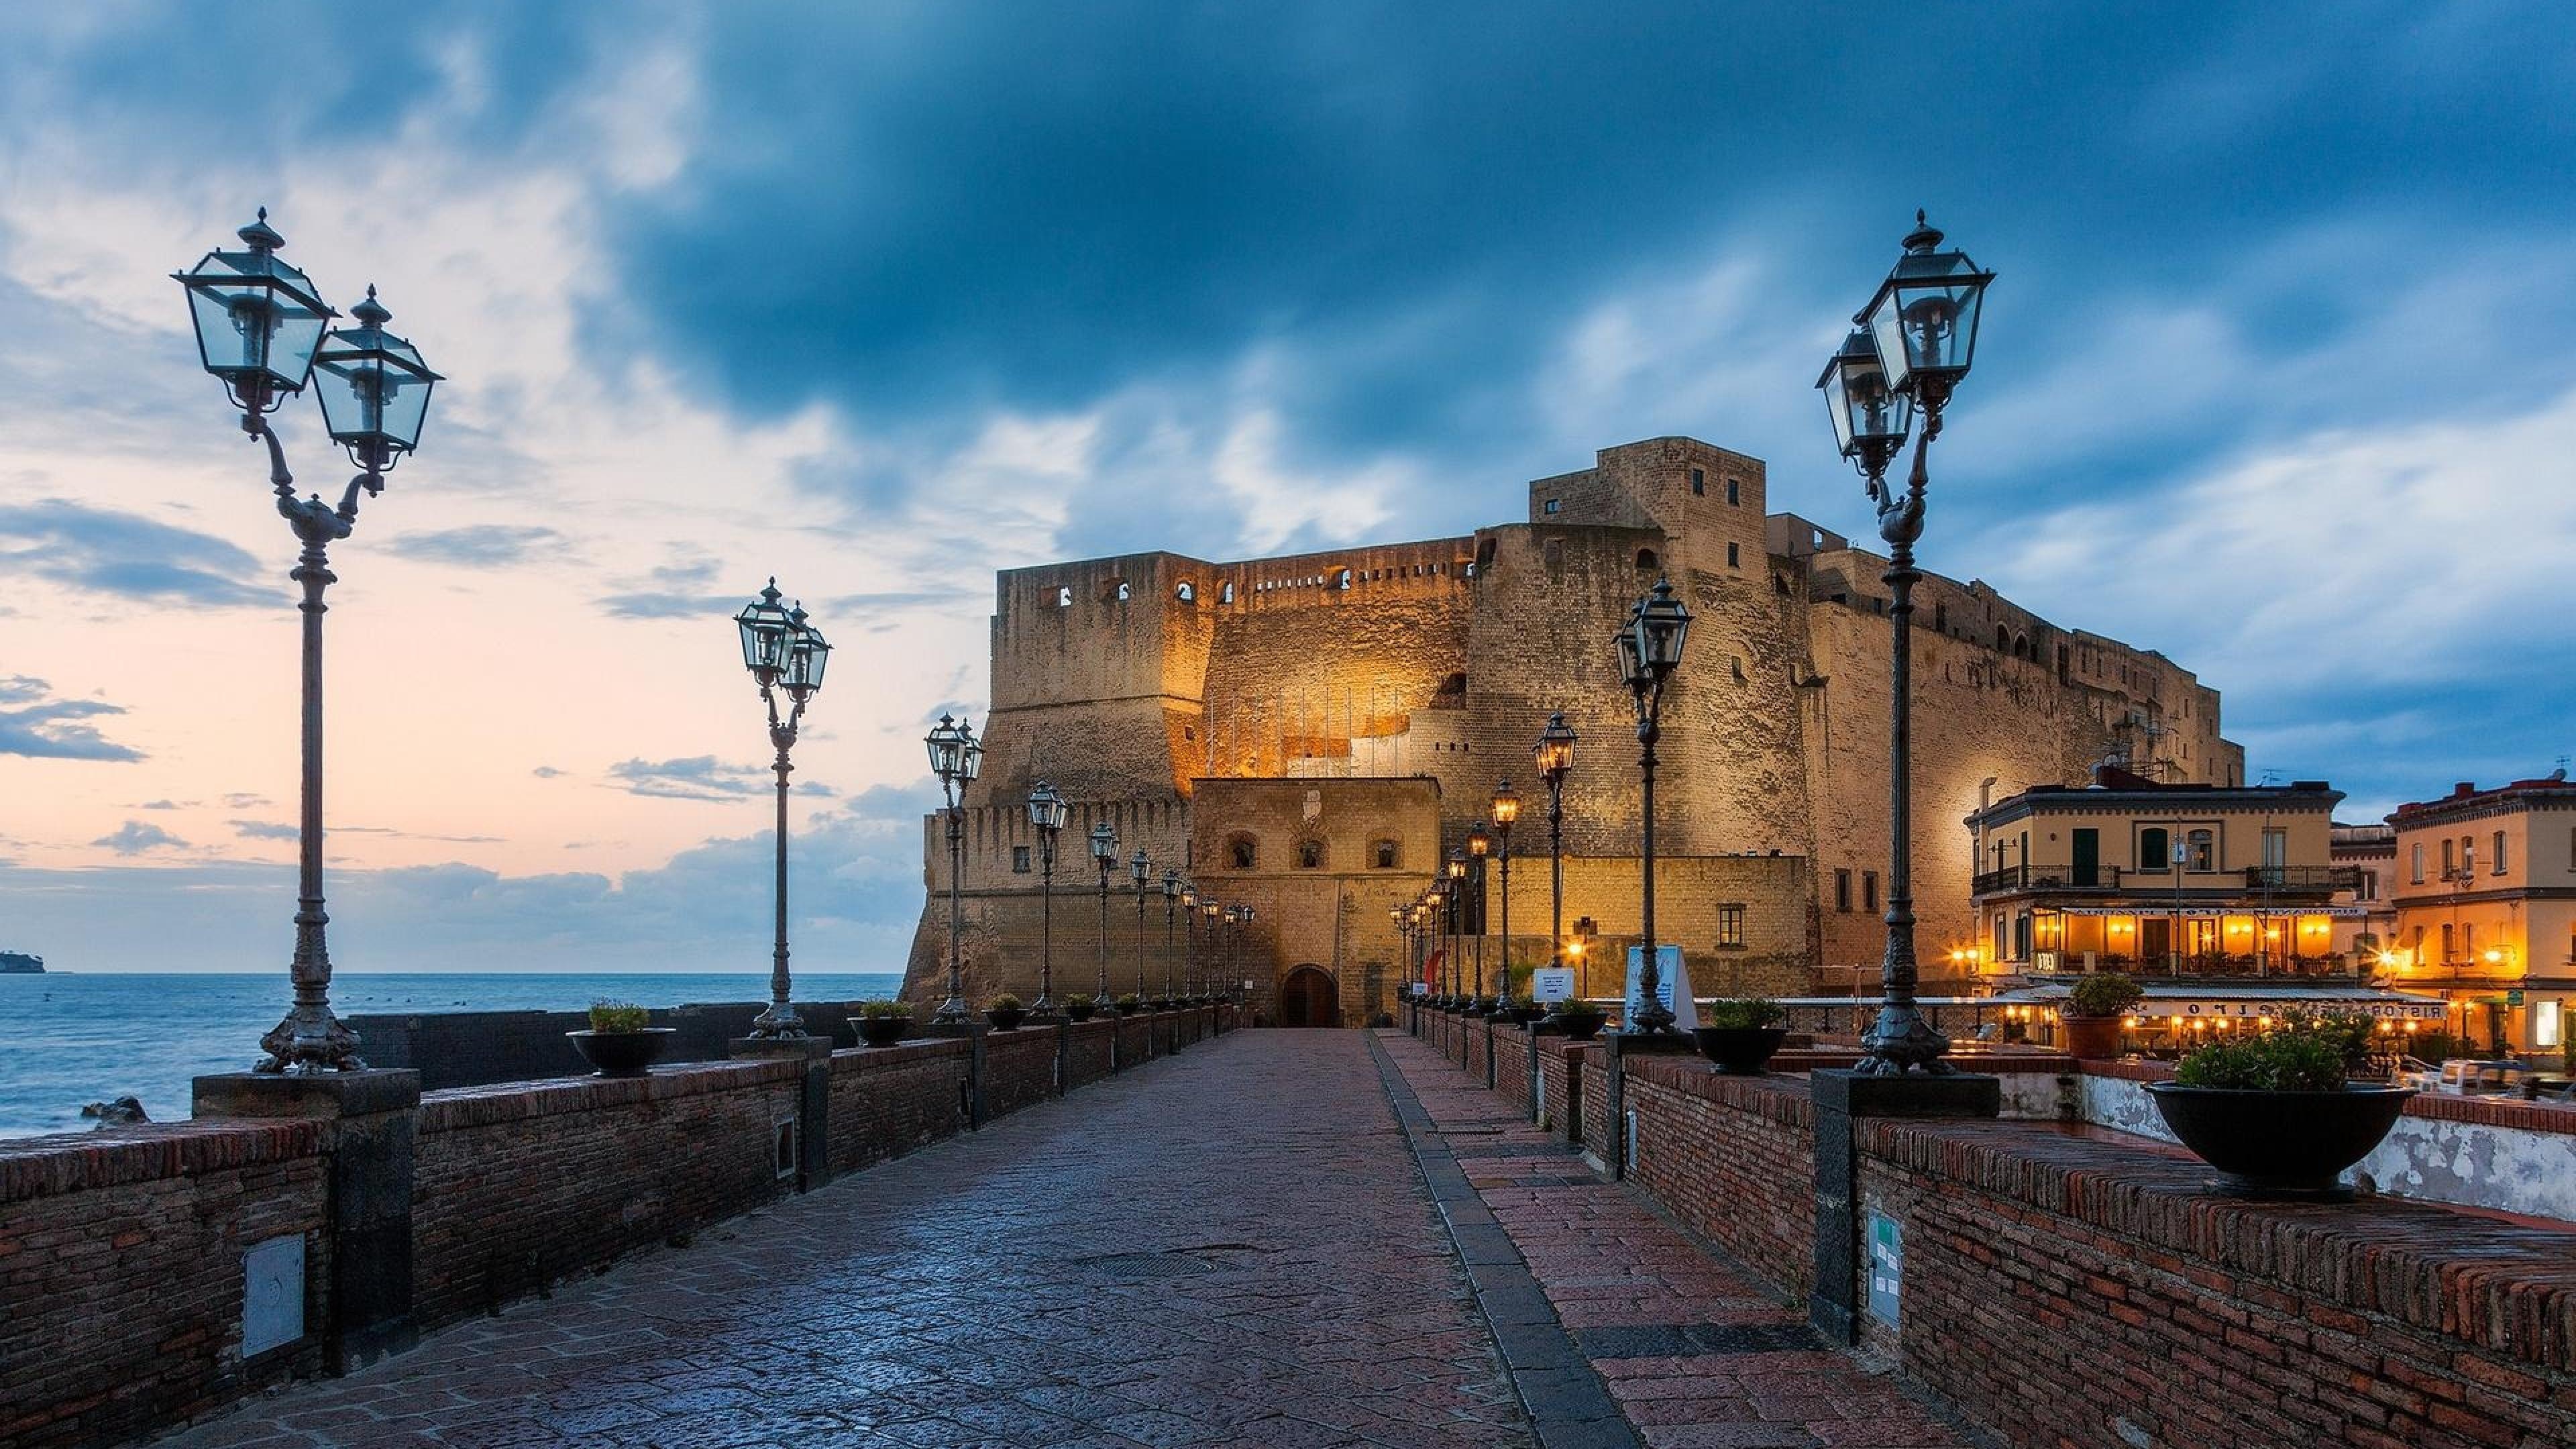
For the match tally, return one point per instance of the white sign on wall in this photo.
(272, 1294)
(1672, 986)
(1551, 984)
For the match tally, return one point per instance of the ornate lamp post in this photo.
(1171, 902)
(1480, 846)
(1912, 345)
(956, 757)
(1506, 808)
(1233, 943)
(1454, 878)
(782, 651)
(1243, 924)
(261, 328)
(1104, 853)
(1554, 756)
(1047, 810)
(1650, 649)
(1191, 970)
(1141, 870)
(1210, 912)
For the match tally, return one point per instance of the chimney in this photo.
(2465, 787)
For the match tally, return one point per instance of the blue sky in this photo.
(883, 297)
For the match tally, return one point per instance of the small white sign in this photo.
(272, 1294)
(1422, 988)
(1672, 986)
(1552, 984)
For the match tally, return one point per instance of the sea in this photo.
(69, 1038)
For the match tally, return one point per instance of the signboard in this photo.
(1886, 1267)
(1551, 984)
(1672, 987)
(1422, 988)
(272, 1294)
(2513, 998)
(2190, 1008)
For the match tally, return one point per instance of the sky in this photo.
(879, 298)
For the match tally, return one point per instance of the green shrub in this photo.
(616, 1017)
(878, 1010)
(1131, 999)
(1575, 1008)
(1743, 1013)
(2103, 993)
(1004, 1002)
(2307, 1052)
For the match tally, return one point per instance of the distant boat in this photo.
(19, 963)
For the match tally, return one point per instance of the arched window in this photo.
(1242, 853)
(2003, 638)
(1382, 855)
(2155, 849)
(1186, 592)
(1310, 855)
(2202, 848)
(1646, 559)
(1225, 593)
(2021, 646)
(1064, 598)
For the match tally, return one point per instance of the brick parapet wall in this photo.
(887, 1101)
(1019, 1068)
(1090, 1052)
(1559, 1067)
(1733, 1157)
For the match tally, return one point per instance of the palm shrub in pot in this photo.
(622, 1040)
(1740, 1034)
(1005, 1012)
(882, 1023)
(2276, 1111)
(2093, 1011)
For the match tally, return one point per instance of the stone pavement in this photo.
(1227, 1247)
(1693, 1353)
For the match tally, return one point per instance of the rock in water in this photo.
(124, 1111)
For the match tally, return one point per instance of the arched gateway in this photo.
(1308, 997)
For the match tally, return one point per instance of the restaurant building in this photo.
(2485, 897)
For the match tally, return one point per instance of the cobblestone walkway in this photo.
(1695, 1353)
(1227, 1247)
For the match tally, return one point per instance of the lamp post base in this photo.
(779, 1023)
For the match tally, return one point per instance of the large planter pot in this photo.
(2281, 1144)
(1584, 1030)
(1740, 1051)
(622, 1053)
(881, 1030)
(2092, 1036)
(1079, 1008)
(1006, 1018)
(1126, 1008)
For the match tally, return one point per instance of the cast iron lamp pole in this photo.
(1171, 903)
(1046, 812)
(781, 650)
(1480, 845)
(1141, 869)
(1104, 853)
(1506, 809)
(1911, 346)
(1554, 756)
(261, 328)
(1190, 963)
(957, 757)
(1455, 878)
(1210, 911)
(1650, 649)
(1233, 941)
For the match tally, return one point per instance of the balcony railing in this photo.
(2317, 879)
(2286, 879)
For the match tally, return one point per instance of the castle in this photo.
(1311, 735)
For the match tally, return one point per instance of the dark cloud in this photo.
(46, 727)
(698, 777)
(479, 546)
(265, 830)
(129, 556)
(547, 772)
(671, 606)
(134, 838)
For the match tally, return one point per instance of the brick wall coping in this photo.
(460, 1107)
(902, 1054)
(34, 1167)
(1781, 1099)
(2505, 1287)
(2436, 1106)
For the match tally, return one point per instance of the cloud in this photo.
(699, 777)
(547, 772)
(134, 838)
(164, 805)
(102, 551)
(481, 545)
(265, 830)
(45, 727)
(671, 606)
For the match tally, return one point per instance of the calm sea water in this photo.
(67, 1039)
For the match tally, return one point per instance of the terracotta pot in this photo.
(2094, 1037)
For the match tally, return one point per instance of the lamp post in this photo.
(1911, 346)
(1586, 930)
(1211, 911)
(264, 330)
(1506, 808)
(1104, 853)
(1480, 846)
(1554, 756)
(1650, 649)
(1233, 939)
(1243, 924)
(1141, 870)
(1047, 810)
(1403, 955)
(1190, 966)
(1171, 903)
(781, 650)
(956, 757)
(1454, 880)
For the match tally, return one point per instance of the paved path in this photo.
(1227, 1247)
(1692, 1352)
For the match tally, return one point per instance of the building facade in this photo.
(2485, 897)
(1365, 702)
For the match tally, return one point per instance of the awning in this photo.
(2249, 1003)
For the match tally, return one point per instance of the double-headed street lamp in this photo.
(1104, 854)
(1047, 811)
(1650, 649)
(264, 330)
(956, 757)
(1141, 869)
(782, 651)
(1910, 346)
(1480, 847)
(1554, 756)
(1172, 984)
(1506, 808)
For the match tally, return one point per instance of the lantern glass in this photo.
(947, 744)
(258, 320)
(1479, 843)
(1661, 626)
(1865, 411)
(1104, 844)
(973, 758)
(1923, 322)
(1171, 885)
(1554, 753)
(763, 625)
(807, 656)
(1140, 867)
(1631, 670)
(1507, 806)
(1046, 807)
(375, 389)
(1457, 865)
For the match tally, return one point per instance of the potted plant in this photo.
(1740, 1034)
(2276, 1111)
(1005, 1012)
(1128, 1004)
(1079, 1008)
(1578, 1019)
(882, 1023)
(622, 1040)
(2093, 1011)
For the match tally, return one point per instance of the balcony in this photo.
(2281, 879)
(2303, 879)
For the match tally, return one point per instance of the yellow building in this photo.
(2485, 890)
(2162, 880)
